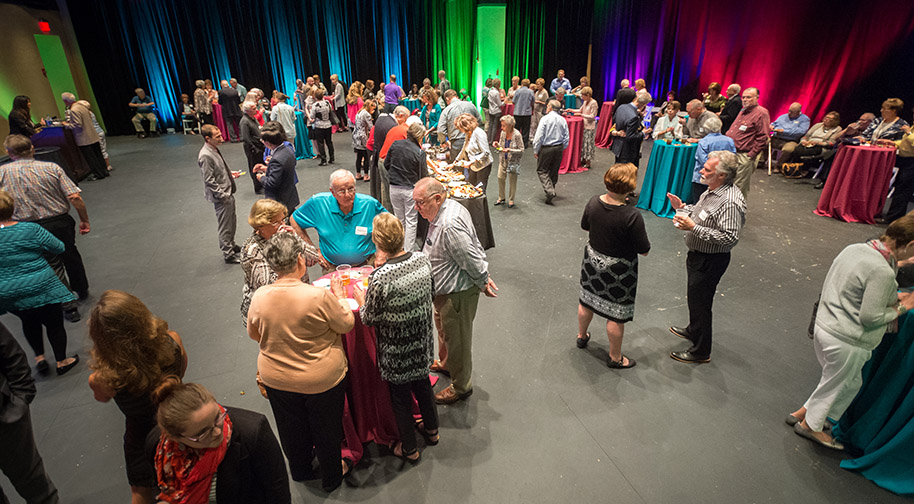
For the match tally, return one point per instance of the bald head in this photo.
(695, 108)
(624, 84)
(794, 111)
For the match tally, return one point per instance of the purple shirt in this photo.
(392, 93)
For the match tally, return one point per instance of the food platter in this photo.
(453, 179)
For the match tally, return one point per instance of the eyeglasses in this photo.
(350, 190)
(220, 420)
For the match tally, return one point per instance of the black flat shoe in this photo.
(500, 202)
(582, 342)
(430, 439)
(71, 314)
(405, 456)
(689, 357)
(62, 370)
(43, 368)
(820, 185)
(620, 364)
(681, 332)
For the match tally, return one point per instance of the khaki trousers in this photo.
(454, 314)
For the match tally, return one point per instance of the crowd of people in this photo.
(181, 445)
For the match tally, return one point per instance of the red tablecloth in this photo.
(367, 414)
(604, 139)
(508, 109)
(858, 183)
(220, 122)
(571, 157)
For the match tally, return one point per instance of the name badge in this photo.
(702, 215)
(361, 230)
(743, 128)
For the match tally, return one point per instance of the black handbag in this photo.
(812, 321)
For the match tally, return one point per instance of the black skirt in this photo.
(608, 285)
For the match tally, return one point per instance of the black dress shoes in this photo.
(689, 357)
(62, 370)
(681, 332)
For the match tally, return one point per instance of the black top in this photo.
(730, 111)
(615, 230)
(230, 101)
(21, 124)
(382, 126)
(17, 388)
(279, 180)
(253, 469)
(250, 136)
(624, 95)
(627, 118)
(405, 163)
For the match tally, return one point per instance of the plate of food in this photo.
(465, 191)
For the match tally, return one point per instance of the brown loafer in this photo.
(436, 367)
(450, 396)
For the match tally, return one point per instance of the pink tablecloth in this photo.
(858, 184)
(508, 109)
(367, 415)
(571, 157)
(334, 128)
(220, 122)
(604, 125)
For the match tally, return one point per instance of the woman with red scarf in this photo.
(205, 452)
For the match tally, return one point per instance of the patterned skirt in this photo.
(587, 144)
(608, 285)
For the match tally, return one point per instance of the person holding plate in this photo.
(475, 155)
(609, 273)
(713, 227)
(510, 147)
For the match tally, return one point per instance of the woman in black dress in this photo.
(609, 273)
(133, 353)
(20, 117)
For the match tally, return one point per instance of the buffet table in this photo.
(604, 125)
(858, 184)
(414, 105)
(669, 170)
(878, 427)
(570, 101)
(72, 160)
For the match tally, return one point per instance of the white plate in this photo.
(353, 304)
(322, 282)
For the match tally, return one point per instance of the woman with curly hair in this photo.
(354, 101)
(133, 352)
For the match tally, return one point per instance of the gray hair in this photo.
(733, 89)
(339, 174)
(248, 106)
(401, 111)
(693, 103)
(643, 98)
(233, 81)
(713, 124)
(560, 90)
(199, 83)
(417, 132)
(509, 120)
(282, 252)
(68, 97)
(554, 104)
(727, 164)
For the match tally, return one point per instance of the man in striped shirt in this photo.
(459, 273)
(712, 226)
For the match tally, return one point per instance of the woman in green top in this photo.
(713, 100)
(430, 114)
(859, 299)
(30, 289)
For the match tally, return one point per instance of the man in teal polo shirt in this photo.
(343, 222)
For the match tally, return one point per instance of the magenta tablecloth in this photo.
(604, 125)
(220, 122)
(367, 415)
(508, 109)
(858, 183)
(571, 157)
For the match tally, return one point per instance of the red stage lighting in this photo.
(44, 26)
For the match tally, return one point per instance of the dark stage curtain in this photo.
(792, 51)
(543, 36)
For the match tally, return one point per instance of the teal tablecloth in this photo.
(669, 170)
(878, 427)
(303, 149)
(413, 105)
(570, 101)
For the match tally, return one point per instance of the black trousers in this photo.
(341, 115)
(233, 126)
(547, 167)
(50, 317)
(523, 125)
(475, 177)
(401, 398)
(322, 138)
(22, 464)
(206, 118)
(362, 158)
(63, 227)
(796, 155)
(904, 188)
(254, 158)
(704, 272)
(309, 425)
(92, 153)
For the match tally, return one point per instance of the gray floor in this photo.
(548, 422)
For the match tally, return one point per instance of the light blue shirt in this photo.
(557, 83)
(794, 129)
(710, 143)
(345, 239)
(552, 130)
